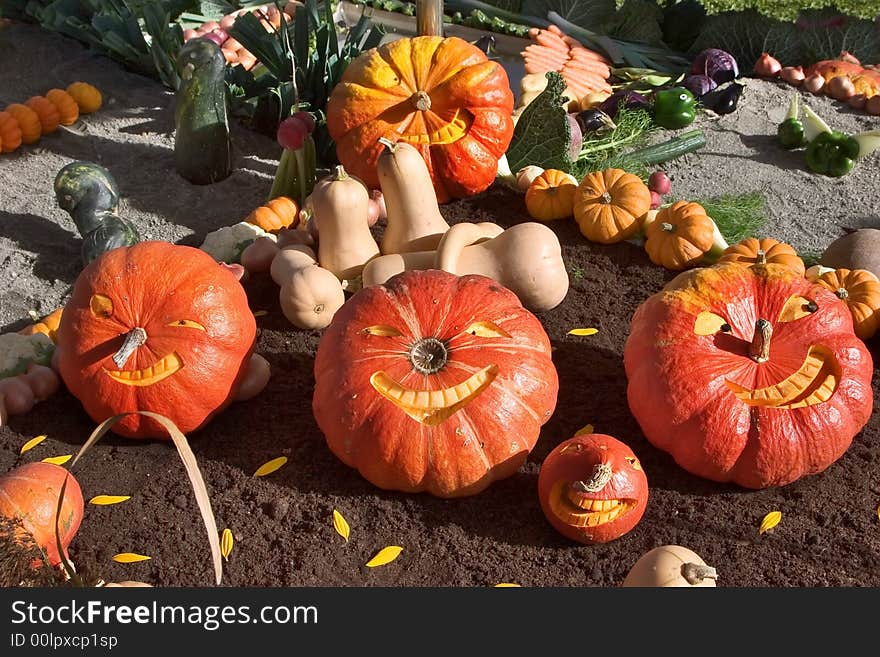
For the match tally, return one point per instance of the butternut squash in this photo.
(414, 222)
(340, 204)
(310, 295)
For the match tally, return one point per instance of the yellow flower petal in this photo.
(507, 585)
(385, 555)
(226, 543)
(583, 331)
(270, 467)
(260, 313)
(58, 460)
(33, 442)
(587, 428)
(341, 525)
(129, 557)
(770, 521)
(103, 500)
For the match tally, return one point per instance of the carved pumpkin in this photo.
(155, 327)
(860, 290)
(754, 251)
(679, 236)
(442, 95)
(551, 195)
(434, 382)
(747, 374)
(592, 488)
(31, 492)
(609, 205)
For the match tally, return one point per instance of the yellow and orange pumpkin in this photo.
(280, 212)
(755, 251)
(680, 235)
(609, 205)
(859, 289)
(550, 196)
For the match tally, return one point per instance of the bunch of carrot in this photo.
(585, 71)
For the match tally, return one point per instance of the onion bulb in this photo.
(794, 75)
(379, 199)
(814, 83)
(767, 66)
(526, 175)
(872, 105)
(840, 88)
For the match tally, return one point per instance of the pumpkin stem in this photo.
(842, 293)
(135, 338)
(695, 573)
(388, 144)
(601, 475)
(428, 355)
(668, 227)
(759, 350)
(421, 100)
(606, 198)
(760, 257)
(339, 173)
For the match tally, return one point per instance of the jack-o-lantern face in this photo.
(592, 488)
(434, 382)
(155, 327)
(751, 375)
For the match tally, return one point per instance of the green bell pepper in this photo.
(674, 108)
(791, 132)
(832, 154)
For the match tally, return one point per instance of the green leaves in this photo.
(579, 12)
(543, 135)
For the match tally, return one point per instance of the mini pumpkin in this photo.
(68, 110)
(87, 97)
(860, 290)
(679, 236)
(10, 133)
(48, 113)
(592, 488)
(280, 212)
(28, 122)
(551, 195)
(155, 327)
(48, 326)
(609, 205)
(434, 382)
(754, 251)
(751, 375)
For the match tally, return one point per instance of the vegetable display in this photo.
(592, 488)
(748, 374)
(434, 382)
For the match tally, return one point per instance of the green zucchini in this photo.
(687, 142)
(89, 194)
(202, 148)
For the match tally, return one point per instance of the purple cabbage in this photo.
(717, 64)
(629, 99)
(699, 85)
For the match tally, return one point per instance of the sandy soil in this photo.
(282, 522)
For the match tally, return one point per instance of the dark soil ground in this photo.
(282, 523)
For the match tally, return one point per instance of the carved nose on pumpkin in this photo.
(601, 476)
(759, 349)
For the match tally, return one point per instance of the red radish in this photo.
(655, 200)
(31, 492)
(660, 183)
(307, 119)
(223, 34)
(213, 36)
(292, 133)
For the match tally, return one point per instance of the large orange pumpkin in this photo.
(155, 327)
(748, 374)
(434, 382)
(442, 95)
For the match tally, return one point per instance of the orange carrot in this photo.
(550, 40)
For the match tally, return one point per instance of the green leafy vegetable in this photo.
(737, 215)
(543, 135)
(602, 152)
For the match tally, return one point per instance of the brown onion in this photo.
(872, 105)
(814, 83)
(767, 66)
(858, 101)
(792, 74)
(379, 198)
(840, 88)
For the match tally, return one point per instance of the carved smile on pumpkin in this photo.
(448, 133)
(161, 369)
(575, 502)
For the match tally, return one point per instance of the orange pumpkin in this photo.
(48, 326)
(280, 212)
(860, 290)
(680, 235)
(867, 85)
(68, 110)
(609, 205)
(754, 251)
(832, 68)
(10, 133)
(551, 195)
(28, 122)
(442, 95)
(87, 97)
(48, 113)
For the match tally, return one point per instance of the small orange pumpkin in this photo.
(754, 251)
(551, 195)
(48, 113)
(28, 122)
(680, 235)
(10, 133)
(609, 205)
(47, 326)
(87, 97)
(860, 290)
(280, 212)
(68, 110)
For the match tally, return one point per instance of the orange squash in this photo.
(551, 195)
(860, 290)
(10, 133)
(68, 110)
(754, 251)
(280, 212)
(47, 326)
(87, 97)
(48, 113)
(28, 122)
(680, 235)
(609, 205)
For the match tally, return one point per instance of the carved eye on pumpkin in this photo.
(797, 307)
(187, 323)
(633, 461)
(708, 323)
(101, 306)
(382, 330)
(487, 330)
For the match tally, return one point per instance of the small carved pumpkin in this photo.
(28, 122)
(155, 327)
(280, 212)
(87, 97)
(592, 488)
(754, 251)
(860, 290)
(68, 110)
(434, 382)
(609, 205)
(551, 195)
(747, 374)
(679, 236)
(10, 133)
(48, 113)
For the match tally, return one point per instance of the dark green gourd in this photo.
(202, 148)
(89, 194)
